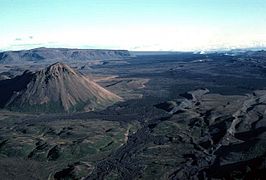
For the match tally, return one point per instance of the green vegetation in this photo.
(53, 107)
(78, 143)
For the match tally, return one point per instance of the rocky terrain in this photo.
(204, 136)
(183, 116)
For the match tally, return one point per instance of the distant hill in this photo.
(58, 88)
(61, 54)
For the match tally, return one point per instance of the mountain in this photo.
(58, 88)
(61, 54)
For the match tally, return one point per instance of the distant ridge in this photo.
(57, 88)
(61, 54)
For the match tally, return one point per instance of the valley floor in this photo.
(185, 116)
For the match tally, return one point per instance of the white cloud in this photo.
(180, 38)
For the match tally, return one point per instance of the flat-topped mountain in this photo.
(62, 54)
(58, 88)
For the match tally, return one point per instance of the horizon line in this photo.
(258, 48)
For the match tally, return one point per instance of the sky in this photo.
(140, 25)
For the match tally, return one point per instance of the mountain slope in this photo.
(55, 89)
(62, 54)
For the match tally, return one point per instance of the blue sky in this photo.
(133, 24)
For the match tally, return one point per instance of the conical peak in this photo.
(57, 86)
(59, 65)
(58, 68)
